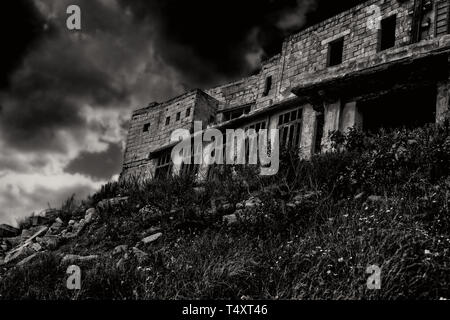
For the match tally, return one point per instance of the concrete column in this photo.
(442, 101)
(350, 117)
(308, 132)
(332, 120)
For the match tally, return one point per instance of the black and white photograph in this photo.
(229, 157)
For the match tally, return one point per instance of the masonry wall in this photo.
(305, 54)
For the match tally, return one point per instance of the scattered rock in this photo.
(69, 235)
(230, 219)
(36, 247)
(149, 212)
(139, 254)
(151, 231)
(111, 202)
(72, 258)
(50, 242)
(19, 253)
(291, 205)
(152, 238)
(55, 227)
(120, 250)
(72, 222)
(253, 202)
(91, 214)
(7, 231)
(4, 247)
(33, 233)
(28, 259)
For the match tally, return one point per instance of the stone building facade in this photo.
(383, 63)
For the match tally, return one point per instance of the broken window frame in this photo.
(236, 113)
(290, 126)
(164, 165)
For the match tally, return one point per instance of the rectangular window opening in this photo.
(267, 86)
(188, 112)
(146, 127)
(167, 121)
(387, 33)
(335, 52)
(178, 116)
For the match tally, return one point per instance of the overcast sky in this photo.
(66, 97)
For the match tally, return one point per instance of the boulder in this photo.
(152, 238)
(91, 214)
(7, 231)
(120, 250)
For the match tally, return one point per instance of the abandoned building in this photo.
(383, 63)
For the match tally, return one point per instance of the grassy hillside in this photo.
(308, 233)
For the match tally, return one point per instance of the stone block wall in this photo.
(305, 54)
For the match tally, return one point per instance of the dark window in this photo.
(290, 126)
(320, 123)
(167, 121)
(335, 52)
(236, 113)
(164, 165)
(387, 33)
(178, 116)
(146, 127)
(212, 119)
(188, 112)
(267, 86)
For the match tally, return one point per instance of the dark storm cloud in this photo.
(209, 40)
(99, 166)
(20, 28)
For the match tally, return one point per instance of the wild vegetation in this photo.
(308, 233)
